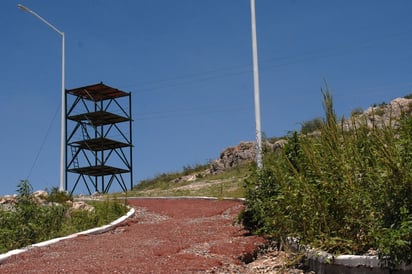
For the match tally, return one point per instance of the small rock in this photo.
(40, 197)
(80, 205)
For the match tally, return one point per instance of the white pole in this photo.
(63, 116)
(259, 162)
(62, 186)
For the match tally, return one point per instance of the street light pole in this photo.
(63, 99)
(259, 162)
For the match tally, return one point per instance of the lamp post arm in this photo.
(26, 9)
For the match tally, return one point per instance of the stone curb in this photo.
(357, 263)
(323, 262)
(93, 231)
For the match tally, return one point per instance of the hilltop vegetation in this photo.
(196, 181)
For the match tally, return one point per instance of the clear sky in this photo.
(188, 64)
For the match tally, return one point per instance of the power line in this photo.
(43, 142)
(185, 112)
(265, 64)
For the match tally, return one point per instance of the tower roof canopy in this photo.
(97, 92)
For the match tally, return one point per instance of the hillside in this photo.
(224, 176)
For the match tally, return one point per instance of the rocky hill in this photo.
(376, 115)
(382, 114)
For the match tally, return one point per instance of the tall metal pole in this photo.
(63, 99)
(62, 185)
(259, 162)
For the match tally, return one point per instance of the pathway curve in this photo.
(164, 236)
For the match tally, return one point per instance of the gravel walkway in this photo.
(164, 236)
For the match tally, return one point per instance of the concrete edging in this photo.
(322, 262)
(92, 231)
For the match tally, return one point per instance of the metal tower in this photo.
(98, 138)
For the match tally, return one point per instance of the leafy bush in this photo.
(80, 220)
(108, 210)
(27, 222)
(311, 125)
(343, 191)
(57, 196)
(408, 96)
(356, 112)
(395, 242)
(262, 191)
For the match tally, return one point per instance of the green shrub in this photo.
(342, 191)
(356, 112)
(28, 223)
(108, 210)
(80, 220)
(311, 125)
(395, 242)
(262, 191)
(57, 196)
(408, 96)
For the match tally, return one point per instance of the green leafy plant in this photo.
(27, 222)
(395, 243)
(341, 190)
(408, 96)
(311, 125)
(57, 196)
(356, 112)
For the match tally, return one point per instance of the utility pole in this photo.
(259, 162)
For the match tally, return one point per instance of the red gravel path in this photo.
(164, 236)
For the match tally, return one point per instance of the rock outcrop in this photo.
(8, 202)
(385, 114)
(375, 116)
(40, 197)
(244, 152)
(233, 156)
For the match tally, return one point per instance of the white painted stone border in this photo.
(93, 231)
(351, 261)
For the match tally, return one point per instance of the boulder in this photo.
(80, 205)
(7, 202)
(244, 152)
(279, 144)
(233, 156)
(40, 197)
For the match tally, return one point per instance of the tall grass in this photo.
(346, 191)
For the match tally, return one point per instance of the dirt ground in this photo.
(164, 236)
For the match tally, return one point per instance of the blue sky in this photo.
(188, 64)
